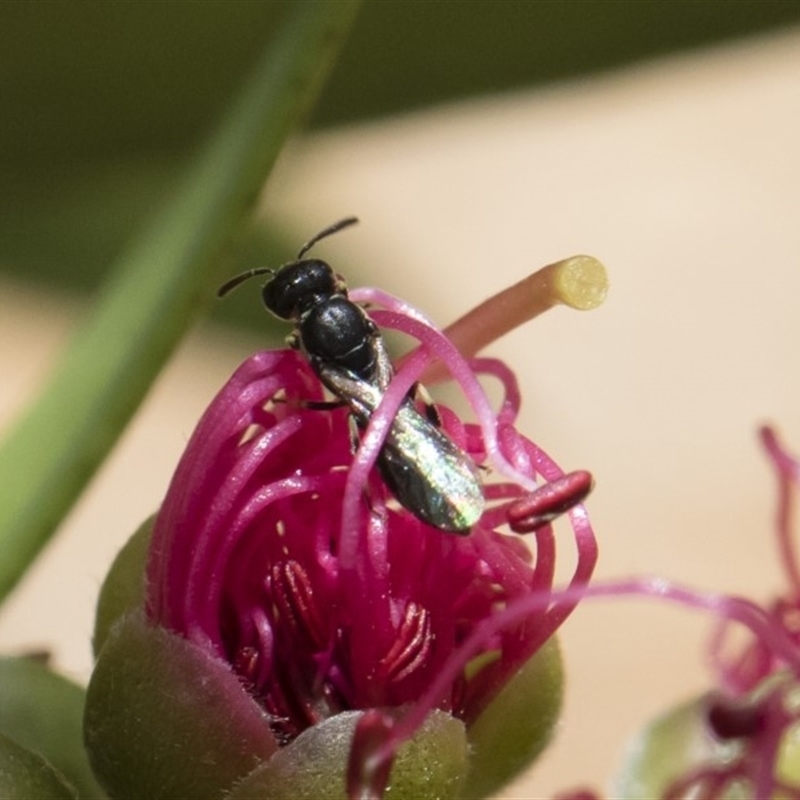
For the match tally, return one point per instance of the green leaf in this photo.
(43, 712)
(430, 765)
(156, 289)
(166, 719)
(93, 135)
(25, 775)
(148, 76)
(403, 56)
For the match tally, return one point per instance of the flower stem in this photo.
(156, 289)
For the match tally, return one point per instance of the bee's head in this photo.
(299, 286)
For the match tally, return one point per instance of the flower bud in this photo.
(165, 718)
(310, 626)
(431, 764)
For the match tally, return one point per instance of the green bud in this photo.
(312, 767)
(165, 718)
(122, 591)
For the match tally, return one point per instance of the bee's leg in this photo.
(323, 405)
(293, 341)
(419, 392)
(314, 405)
(355, 439)
(376, 510)
(384, 372)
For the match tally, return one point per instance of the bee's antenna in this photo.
(241, 278)
(251, 273)
(337, 226)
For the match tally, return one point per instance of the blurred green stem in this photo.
(156, 290)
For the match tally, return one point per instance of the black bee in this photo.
(425, 470)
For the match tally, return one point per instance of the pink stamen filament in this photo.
(256, 380)
(437, 345)
(403, 317)
(745, 667)
(206, 579)
(788, 479)
(369, 449)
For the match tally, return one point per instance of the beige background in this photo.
(683, 176)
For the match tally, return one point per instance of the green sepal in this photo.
(42, 711)
(518, 724)
(680, 741)
(25, 775)
(122, 591)
(430, 765)
(168, 719)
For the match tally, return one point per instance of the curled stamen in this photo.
(437, 345)
(368, 767)
(788, 479)
(744, 667)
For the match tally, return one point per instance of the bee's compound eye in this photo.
(299, 286)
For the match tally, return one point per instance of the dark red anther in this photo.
(412, 646)
(549, 501)
(293, 596)
(730, 718)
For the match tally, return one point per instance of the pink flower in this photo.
(756, 709)
(744, 669)
(290, 559)
(297, 591)
(739, 738)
